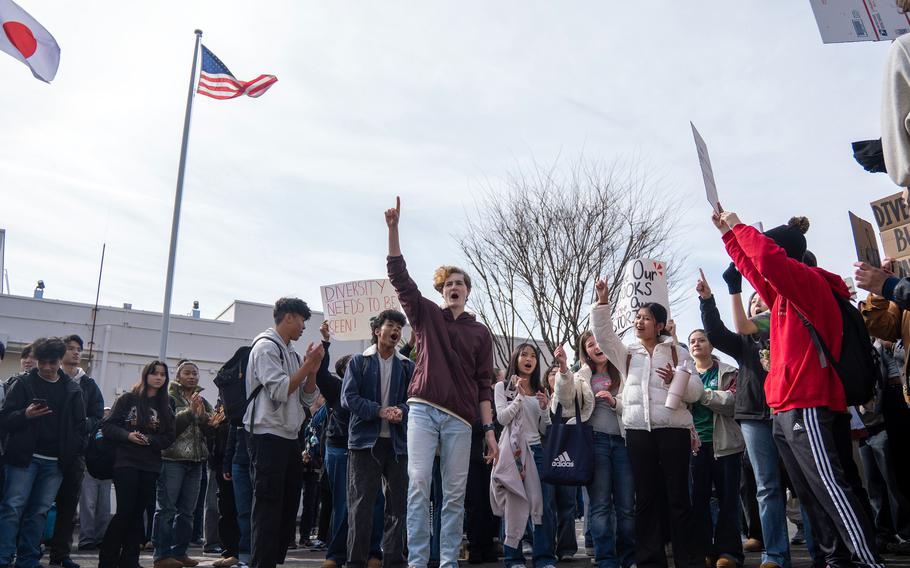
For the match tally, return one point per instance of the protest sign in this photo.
(864, 239)
(348, 306)
(706, 171)
(859, 20)
(893, 219)
(645, 281)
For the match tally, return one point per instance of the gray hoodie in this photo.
(272, 412)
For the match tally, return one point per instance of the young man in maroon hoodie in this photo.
(452, 379)
(807, 399)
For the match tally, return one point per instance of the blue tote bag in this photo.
(568, 451)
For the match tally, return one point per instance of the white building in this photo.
(126, 339)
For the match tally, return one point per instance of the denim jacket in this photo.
(361, 394)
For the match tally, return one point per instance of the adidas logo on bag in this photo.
(563, 460)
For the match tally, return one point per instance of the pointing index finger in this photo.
(702, 274)
(398, 204)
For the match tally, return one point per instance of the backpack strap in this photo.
(820, 347)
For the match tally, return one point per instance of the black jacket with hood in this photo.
(23, 432)
(751, 403)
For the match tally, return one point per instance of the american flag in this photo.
(217, 81)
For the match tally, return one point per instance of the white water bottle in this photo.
(677, 388)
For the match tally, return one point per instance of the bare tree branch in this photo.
(538, 242)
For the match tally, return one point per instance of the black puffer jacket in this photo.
(750, 386)
(22, 431)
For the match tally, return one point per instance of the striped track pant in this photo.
(805, 439)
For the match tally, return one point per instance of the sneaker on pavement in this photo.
(799, 537)
(374, 563)
(168, 563)
(753, 545)
(724, 562)
(187, 562)
(329, 563)
(225, 562)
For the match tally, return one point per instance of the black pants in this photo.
(276, 469)
(135, 489)
(67, 499)
(228, 529)
(748, 494)
(660, 463)
(720, 539)
(368, 470)
(817, 452)
(310, 506)
(897, 424)
(482, 526)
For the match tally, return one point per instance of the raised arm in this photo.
(602, 327)
(391, 220)
(718, 334)
(412, 302)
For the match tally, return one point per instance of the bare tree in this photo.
(537, 243)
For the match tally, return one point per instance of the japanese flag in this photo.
(27, 40)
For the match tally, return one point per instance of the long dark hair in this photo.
(513, 366)
(162, 400)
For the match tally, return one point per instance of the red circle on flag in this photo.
(21, 37)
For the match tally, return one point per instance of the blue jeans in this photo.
(28, 493)
(429, 430)
(336, 468)
(566, 540)
(769, 490)
(611, 507)
(178, 488)
(243, 498)
(544, 544)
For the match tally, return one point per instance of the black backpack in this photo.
(100, 455)
(231, 383)
(858, 368)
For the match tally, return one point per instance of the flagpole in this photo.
(175, 224)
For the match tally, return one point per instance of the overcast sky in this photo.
(429, 100)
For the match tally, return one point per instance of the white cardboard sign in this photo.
(348, 306)
(704, 160)
(842, 21)
(645, 281)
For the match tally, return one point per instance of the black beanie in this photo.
(791, 237)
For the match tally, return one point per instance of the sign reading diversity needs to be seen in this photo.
(842, 21)
(645, 281)
(893, 219)
(348, 306)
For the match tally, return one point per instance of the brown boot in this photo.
(187, 562)
(168, 563)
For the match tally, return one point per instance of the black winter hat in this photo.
(791, 237)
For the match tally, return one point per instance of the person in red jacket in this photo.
(807, 399)
(451, 383)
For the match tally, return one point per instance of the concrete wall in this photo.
(126, 339)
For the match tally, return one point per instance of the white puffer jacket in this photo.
(643, 394)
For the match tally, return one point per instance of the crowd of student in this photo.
(403, 451)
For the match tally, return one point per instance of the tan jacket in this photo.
(885, 320)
